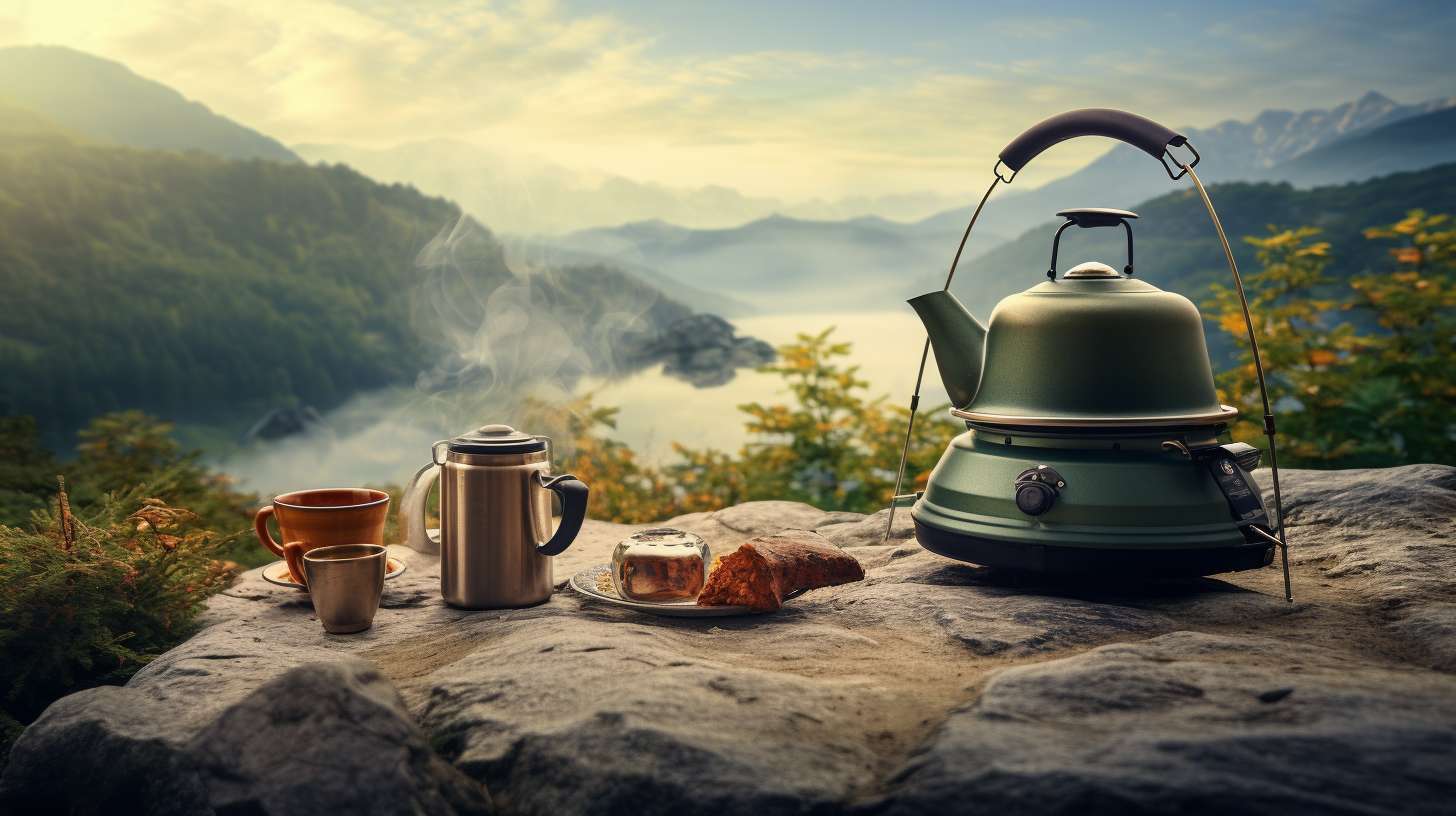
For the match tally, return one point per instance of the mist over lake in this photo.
(384, 436)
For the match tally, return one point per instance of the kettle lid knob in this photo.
(495, 430)
(1091, 269)
(494, 439)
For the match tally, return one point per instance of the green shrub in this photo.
(27, 470)
(833, 446)
(114, 453)
(88, 597)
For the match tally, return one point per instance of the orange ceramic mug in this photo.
(322, 518)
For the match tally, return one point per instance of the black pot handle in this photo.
(573, 493)
(1142, 133)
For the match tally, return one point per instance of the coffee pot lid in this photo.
(497, 439)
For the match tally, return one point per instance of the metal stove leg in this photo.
(1259, 373)
(925, 354)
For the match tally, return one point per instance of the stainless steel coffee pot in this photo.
(495, 540)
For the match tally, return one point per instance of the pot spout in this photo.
(959, 341)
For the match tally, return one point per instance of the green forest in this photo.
(211, 291)
(192, 286)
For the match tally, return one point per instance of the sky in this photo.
(794, 100)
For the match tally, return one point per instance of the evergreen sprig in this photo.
(89, 596)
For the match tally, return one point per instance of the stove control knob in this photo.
(1035, 498)
(1037, 490)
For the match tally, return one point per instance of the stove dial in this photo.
(1037, 490)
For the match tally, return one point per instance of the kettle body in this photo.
(495, 540)
(1093, 347)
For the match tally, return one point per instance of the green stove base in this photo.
(1093, 562)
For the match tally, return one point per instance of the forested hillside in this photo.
(210, 291)
(106, 102)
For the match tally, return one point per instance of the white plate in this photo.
(277, 572)
(585, 582)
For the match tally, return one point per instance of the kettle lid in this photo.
(497, 439)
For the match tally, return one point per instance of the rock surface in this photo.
(932, 686)
(319, 737)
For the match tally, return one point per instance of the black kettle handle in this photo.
(573, 493)
(1138, 131)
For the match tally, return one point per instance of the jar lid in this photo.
(497, 439)
(663, 537)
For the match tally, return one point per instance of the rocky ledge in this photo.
(702, 349)
(931, 687)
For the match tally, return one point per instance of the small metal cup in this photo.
(345, 582)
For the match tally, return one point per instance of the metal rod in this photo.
(1266, 535)
(925, 355)
(905, 448)
(950, 276)
(1258, 372)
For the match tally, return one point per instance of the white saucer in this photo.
(590, 583)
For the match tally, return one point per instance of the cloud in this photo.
(595, 93)
(12, 29)
(581, 90)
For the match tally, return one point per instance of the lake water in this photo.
(658, 410)
(384, 437)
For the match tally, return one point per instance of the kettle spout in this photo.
(959, 341)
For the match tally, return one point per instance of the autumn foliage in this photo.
(1362, 372)
(830, 445)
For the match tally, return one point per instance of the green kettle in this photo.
(1095, 444)
(1094, 347)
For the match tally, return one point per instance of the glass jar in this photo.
(660, 565)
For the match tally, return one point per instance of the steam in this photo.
(494, 341)
(500, 332)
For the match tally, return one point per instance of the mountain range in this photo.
(212, 290)
(237, 217)
(523, 194)
(785, 265)
(782, 264)
(1413, 143)
(1264, 148)
(105, 101)
(837, 262)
